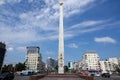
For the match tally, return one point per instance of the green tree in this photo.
(56, 67)
(66, 68)
(117, 68)
(7, 68)
(20, 66)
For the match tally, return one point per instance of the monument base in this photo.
(60, 76)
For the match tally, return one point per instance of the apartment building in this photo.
(90, 61)
(33, 59)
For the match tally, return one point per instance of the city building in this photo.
(81, 65)
(2, 54)
(70, 65)
(118, 60)
(114, 60)
(51, 64)
(90, 61)
(43, 66)
(34, 59)
(106, 66)
(76, 66)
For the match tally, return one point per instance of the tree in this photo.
(20, 66)
(66, 68)
(56, 67)
(8, 68)
(117, 68)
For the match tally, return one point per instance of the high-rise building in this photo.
(51, 64)
(70, 65)
(33, 59)
(2, 54)
(91, 61)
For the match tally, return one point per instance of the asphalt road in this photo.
(96, 78)
(111, 78)
(21, 77)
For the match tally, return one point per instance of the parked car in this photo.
(7, 76)
(106, 75)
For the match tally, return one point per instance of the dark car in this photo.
(106, 75)
(7, 76)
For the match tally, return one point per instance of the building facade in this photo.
(76, 66)
(90, 61)
(106, 66)
(70, 65)
(33, 59)
(51, 64)
(114, 60)
(2, 54)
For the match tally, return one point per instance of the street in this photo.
(17, 77)
(111, 78)
(96, 78)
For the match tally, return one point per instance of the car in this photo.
(106, 75)
(94, 73)
(7, 76)
(84, 73)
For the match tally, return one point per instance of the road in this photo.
(96, 78)
(111, 78)
(21, 77)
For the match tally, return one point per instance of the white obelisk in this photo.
(61, 42)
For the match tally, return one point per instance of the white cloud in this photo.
(84, 27)
(21, 48)
(13, 1)
(105, 39)
(2, 2)
(73, 45)
(33, 23)
(89, 23)
(10, 49)
(39, 25)
(9, 1)
(70, 6)
(76, 6)
(11, 35)
(89, 26)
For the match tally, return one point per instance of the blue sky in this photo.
(89, 25)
